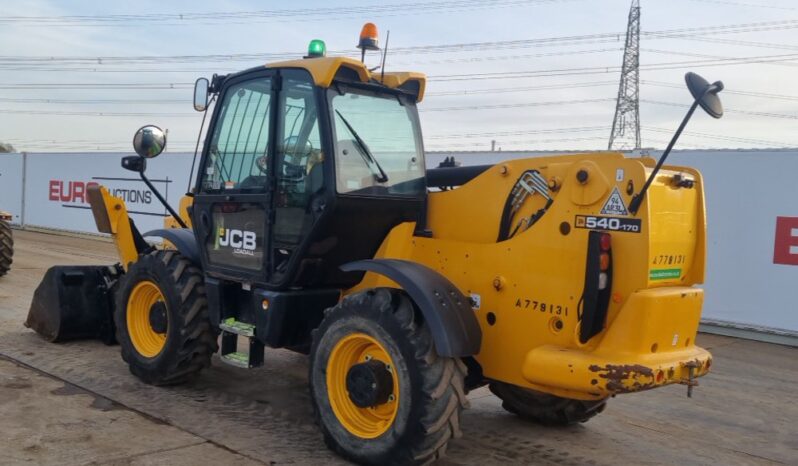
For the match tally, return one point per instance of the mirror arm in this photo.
(161, 198)
(637, 199)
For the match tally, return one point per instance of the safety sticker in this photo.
(614, 204)
(664, 274)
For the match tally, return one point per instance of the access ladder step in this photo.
(239, 328)
(237, 359)
(246, 360)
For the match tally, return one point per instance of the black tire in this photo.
(190, 338)
(6, 248)
(431, 388)
(543, 408)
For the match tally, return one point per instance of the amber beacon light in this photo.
(368, 39)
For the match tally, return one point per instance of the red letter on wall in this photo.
(786, 248)
(55, 187)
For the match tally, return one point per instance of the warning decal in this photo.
(614, 204)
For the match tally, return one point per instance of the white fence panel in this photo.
(745, 193)
(11, 185)
(55, 189)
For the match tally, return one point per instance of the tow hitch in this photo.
(690, 381)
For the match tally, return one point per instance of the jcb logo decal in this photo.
(242, 241)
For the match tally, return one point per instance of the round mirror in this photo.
(705, 93)
(201, 94)
(149, 141)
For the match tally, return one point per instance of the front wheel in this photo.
(161, 319)
(543, 408)
(381, 393)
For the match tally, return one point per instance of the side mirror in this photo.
(149, 141)
(201, 94)
(706, 94)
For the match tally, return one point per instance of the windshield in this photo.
(377, 144)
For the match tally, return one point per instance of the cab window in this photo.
(299, 165)
(237, 157)
(378, 147)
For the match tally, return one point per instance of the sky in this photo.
(538, 74)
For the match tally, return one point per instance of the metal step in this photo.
(246, 360)
(237, 359)
(239, 328)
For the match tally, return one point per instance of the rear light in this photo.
(604, 261)
(605, 241)
(598, 285)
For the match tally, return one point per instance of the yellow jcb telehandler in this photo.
(313, 225)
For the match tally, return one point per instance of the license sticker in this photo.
(598, 222)
(664, 274)
(619, 174)
(614, 204)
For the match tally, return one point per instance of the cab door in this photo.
(232, 205)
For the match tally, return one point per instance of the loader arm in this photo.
(110, 215)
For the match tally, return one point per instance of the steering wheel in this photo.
(292, 150)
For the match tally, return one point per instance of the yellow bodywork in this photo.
(324, 69)
(110, 214)
(185, 203)
(535, 279)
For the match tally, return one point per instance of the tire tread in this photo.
(6, 248)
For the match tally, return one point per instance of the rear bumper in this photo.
(648, 343)
(600, 377)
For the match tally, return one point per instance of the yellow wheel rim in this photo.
(367, 423)
(147, 341)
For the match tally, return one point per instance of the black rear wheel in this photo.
(162, 319)
(381, 393)
(543, 408)
(6, 248)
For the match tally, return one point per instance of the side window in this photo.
(240, 140)
(299, 164)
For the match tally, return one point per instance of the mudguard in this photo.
(447, 311)
(182, 238)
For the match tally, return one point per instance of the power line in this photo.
(98, 114)
(791, 98)
(487, 134)
(729, 110)
(414, 50)
(502, 90)
(138, 86)
(301, 14)
(515, 105)
(785, 62)
(527, 141)
(754, 5)
(94, 101)
(722, 137)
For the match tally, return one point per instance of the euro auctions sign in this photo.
(73, 193)
(57, 187)
(785, 250)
